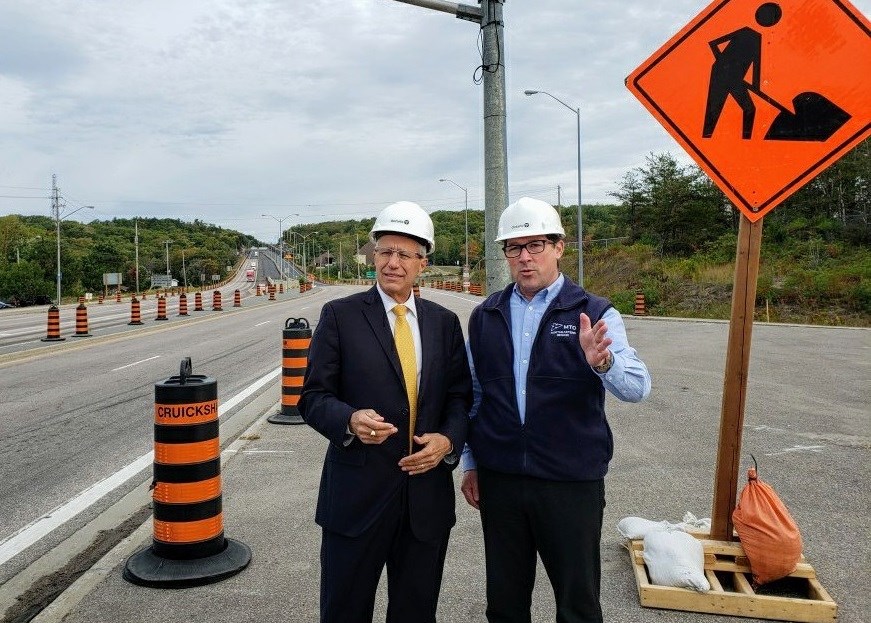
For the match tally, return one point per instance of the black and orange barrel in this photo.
(271, 291)
(183, 304)
(198, 301)
(118, 296)
(135, 311)
(296, 339)
(52, 333)
(100, 299)
(640, 304)
(82, 321)
(161, 308)
(188, 516)
(281, 287)
(237, 298)
(216, 301)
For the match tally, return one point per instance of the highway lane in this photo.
(23, 329)
(76, 414)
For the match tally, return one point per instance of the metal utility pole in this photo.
(136, 245)
(58, 217)
(577, 112)
(489, 17)
(184, 274)
(167, 243)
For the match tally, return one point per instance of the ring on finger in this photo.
(372, 433)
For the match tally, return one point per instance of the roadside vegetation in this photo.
(670, 234)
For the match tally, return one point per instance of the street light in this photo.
(466, 191)
(304, 262)
(577, 112)
(280, 239)
(58, 218)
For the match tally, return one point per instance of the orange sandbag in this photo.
(768, 533)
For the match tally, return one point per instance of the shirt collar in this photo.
(548, 294)
(389, 303)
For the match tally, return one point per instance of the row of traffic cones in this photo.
(53, 329)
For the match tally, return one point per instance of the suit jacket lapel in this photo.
(373, 311)
(429, 346)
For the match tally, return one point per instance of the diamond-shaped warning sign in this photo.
(763, 95)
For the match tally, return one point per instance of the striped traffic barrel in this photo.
(188, 545)
(198, 301)
(135, 311)
(237, 298)
(216, 301)
(640, 304)
(53, 328)
(82, 321)
(161, 308)
(183, 304)
(296, 339)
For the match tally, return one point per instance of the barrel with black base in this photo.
(297, 337)
(188, 545)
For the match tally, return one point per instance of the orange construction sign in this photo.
(763, 95)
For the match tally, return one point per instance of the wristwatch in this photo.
(604, 367)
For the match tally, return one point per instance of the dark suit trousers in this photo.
(562, 523)
(351, 568)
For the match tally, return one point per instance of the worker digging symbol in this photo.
(739, 52)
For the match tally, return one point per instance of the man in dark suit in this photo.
(388, 384)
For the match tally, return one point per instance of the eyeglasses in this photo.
(534, 246)
(404, 256)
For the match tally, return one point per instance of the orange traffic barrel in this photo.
(188, 546)
(296, 339)
(81, 321)
(135, 311)
(183, 304)
(198, 301)
(281, 288)
(81, 300)
(117, 296)
(258, 290)
(143, 295)
(161, 308)
(416, 289)
(53, 330)
(640, 307)
(237, 298)
(216, 301)
(271, 291)
(100, 299)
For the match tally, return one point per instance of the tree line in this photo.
(673, 210)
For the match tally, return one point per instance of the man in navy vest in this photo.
(543, 352)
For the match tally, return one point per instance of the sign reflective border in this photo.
(763, 95)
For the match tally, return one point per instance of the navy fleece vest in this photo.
(566, 435)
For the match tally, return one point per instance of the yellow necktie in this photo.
(405, 348)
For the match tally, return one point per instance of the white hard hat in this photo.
(529, 217)
(405, 218)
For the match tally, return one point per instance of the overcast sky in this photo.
(224, 110)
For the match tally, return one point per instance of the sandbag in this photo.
(768, 533)
(675, 558)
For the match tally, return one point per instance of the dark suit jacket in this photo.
(353, 365)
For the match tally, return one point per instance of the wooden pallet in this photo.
(798, 597)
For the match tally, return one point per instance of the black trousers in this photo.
(351, 568)
(562, 523)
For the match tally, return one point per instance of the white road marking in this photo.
(38, 528)
(262, 323)
(816, 449)
(135, 363)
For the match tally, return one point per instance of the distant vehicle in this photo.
(253, 264)
(3, 305)
(249, 274)
(255, 254)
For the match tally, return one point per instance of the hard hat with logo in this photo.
(405, 218)
(529, 217)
